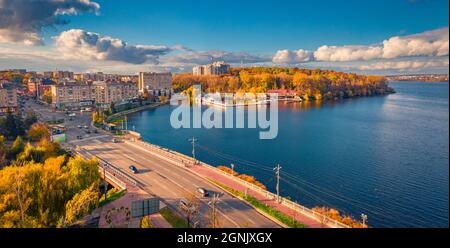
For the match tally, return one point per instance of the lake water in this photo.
(384, 156)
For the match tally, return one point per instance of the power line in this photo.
(277, 173)
(193, 140)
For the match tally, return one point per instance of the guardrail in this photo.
(184, 160)
(110, 170)
(112, 178)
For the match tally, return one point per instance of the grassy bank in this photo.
(173, 219)
(287, 220)
(111, 196)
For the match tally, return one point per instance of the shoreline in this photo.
(135, 110)
(285, 206)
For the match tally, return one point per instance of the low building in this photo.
(156, 83)
(8, 98)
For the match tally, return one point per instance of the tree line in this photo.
(41, 184)
(309, 84)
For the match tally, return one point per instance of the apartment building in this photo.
(155, 83)
(62, 75)
(8, 98)
(113, 92)
(216, 68)
(73, 95)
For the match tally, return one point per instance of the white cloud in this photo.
(205, 57)
(292, 57)
(21, 21)
(430, 43)
(347, 53)
(405, 65)
(83, 45)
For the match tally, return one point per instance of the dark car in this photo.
(203, 192)
(95, 131)
(88, 131)
(79, 137)
(133, 169)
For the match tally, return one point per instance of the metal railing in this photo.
(177, 157)
(109, 170)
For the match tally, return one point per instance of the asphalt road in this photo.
(159, 177)
(172, 183)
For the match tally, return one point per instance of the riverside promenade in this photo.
(300, 213)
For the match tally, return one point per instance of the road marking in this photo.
(86, 139)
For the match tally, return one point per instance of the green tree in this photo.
(12, 126)
(30, 119)
(17, 147)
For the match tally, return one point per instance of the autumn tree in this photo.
(47, 96)
(17, 147)
(81, 204)
(146, 222)
(37, 194)
(38, 131)
(191, 208)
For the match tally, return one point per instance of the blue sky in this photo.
(262, 26)
(257, 28)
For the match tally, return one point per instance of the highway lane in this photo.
(171, 183)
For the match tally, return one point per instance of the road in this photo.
(158, 176)
(171, 183)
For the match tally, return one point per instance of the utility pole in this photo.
(277, 173)
(213, 203)
(193, 140)
(105, 187)
(364, 219)
(126, 123)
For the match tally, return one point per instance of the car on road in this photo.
(95, 131)
(88, 131)
(86, 127)
(114, 140)
(203, 191)
(133, 169)
(80, 127)
(79, 137)
(72, 115)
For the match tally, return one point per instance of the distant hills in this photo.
(419, 77)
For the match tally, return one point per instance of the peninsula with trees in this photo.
(309, 84)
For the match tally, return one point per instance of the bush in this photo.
(146, 222)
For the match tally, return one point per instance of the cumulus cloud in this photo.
(83, 45)
(429, 43)
(347, 53)
(292, 57)
(21, 21)
(205, 57)
(405, 65)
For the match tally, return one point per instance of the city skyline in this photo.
(88, 36)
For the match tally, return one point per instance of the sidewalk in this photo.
(118, 218)
(206, 172)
